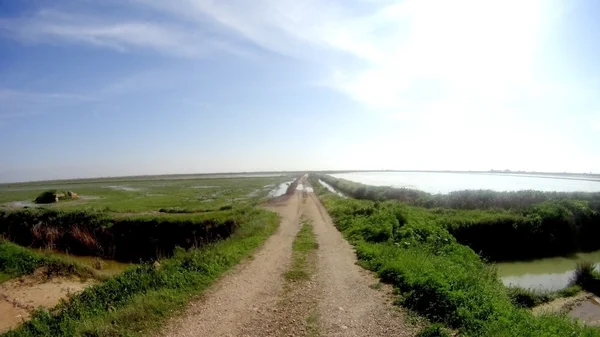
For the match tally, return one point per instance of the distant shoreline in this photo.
(547, 175)
(554, 175)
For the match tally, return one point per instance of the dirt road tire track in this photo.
(228, 307)
(347, 303)
(248, 300)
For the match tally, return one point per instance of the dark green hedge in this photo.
(129, 238)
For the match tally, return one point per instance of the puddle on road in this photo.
(280, 190)
(302, 188)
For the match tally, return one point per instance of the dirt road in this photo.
(256, 300)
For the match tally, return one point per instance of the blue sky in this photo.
(105, 88)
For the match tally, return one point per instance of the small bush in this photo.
(528, 298)
(569, 291)
(434, 330)
(586, 277)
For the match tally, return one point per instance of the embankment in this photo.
(132, 238)
(437, 276)
(508, 226)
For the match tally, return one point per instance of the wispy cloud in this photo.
(14, 103)
(383, 53)
(51, 26)
(414, 56)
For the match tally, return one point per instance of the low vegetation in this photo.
(434, 330)
(466, 199)
(554, 227)
(529, 298)
(303, 245)
(183, 233)
(146, 194)
(436, 276)
(132, 238)
(16, 261)
(137, 301)
(51, 196)
(587, 277)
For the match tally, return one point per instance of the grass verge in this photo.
(139, 300)
(299, 297)
(303, 245)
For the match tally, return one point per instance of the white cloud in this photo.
(468, 48)
(121, 35)
(15, 103)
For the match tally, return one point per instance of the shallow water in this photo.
(545, 274)
(302, 188)
(124, 188)
(280, 189)
(331, 189)
(23, 203)
(438, 182)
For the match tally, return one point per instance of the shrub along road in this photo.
(254, 299)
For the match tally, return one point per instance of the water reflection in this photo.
(544, 274)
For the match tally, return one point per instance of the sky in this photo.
(133, 87)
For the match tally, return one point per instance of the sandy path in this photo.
(347, 303)
(234, 303)
(253, 300)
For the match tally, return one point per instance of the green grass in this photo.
(434, 274)
(149, 194)
(434, 330)
(198, 227)
(139, 300)
(558, 225)
(303, 245)
(529, 298)
(16, 261)
(312, 321)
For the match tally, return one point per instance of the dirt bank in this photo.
(21, 296)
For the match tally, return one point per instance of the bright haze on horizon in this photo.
(135, 87)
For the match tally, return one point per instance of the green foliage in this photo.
(558, 224)
(467, 199)
(51, 196)
(16, 261)
(139, 300)
(126, 238)
(529, 298)
(587, 277)
(148, 194)
(439, 277)
(304, 244)
(434, 330)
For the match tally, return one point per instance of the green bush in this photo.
(434, 330)
(587, 277)
(127, 238)
(439, 277)
(528, 298)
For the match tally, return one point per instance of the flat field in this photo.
(153, 194)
